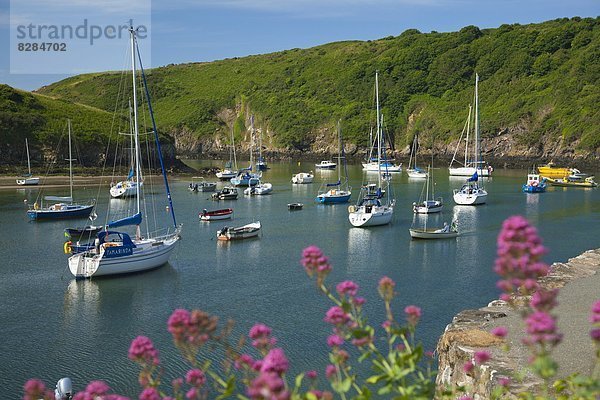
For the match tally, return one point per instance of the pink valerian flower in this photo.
(595, 316)
(358, 301)
(97, 390)
(243, 361)
(336, 316)
(499, 331)
(595, 335)
(465, 398)
(142, 351)
(541, 328)
(177, 383)
(481, 357)
(386, 288)
(259, 330)
(504, 381)
(348, 288)
(413, 313)
(468, 367)
(195, 377)
(36, 389)
(363, 341)
(519, 257)
(314, 262)
(331, 371)
(150, 394)
(268, 385)
(261, 335)
(387, 324)
(275, 361)
(544, 300)
(178, 323)
(192, 394)
(334, 341)
(312, 374)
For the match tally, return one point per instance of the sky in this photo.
(183, 31)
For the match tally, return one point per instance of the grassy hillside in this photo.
(43, 121)
(543, 78)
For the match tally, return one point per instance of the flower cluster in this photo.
(142, 351)
(190, 330)
(595, 320)
(314, 262)
(519, 258)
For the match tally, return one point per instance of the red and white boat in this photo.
(224, 213)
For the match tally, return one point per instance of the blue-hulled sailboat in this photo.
(62, 207)
(338, 192)
(117, 252)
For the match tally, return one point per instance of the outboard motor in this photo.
(64, 389)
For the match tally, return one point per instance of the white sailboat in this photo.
(338, 192)
(472, 162)
(63, 206)
(374, 163)
(28, 179)
(116, 252)
(428, 204)
(413, 171)
(471, 193)
(371, 209)
(128, 187)
(230, 170)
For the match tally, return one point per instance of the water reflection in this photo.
(81, 300)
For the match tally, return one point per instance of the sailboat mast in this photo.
(233, 148)
(135, 120)
(477, 165)
(378, 124)
(28, 164)
(339, 153)
(467, 136)
(251, 138)
(70, 161)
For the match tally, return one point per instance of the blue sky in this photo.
(206, 30)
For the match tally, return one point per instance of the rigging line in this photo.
(162, 166)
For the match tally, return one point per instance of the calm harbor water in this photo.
(54, 326)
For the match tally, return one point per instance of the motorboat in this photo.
(303, 177)
(535, 184)
(259, 189)
(242, 232)
(326, 164)
(213, 215)
(227, 193)
(570, 182)
(295, 206)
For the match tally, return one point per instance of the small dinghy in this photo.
(214, 215)
(446, 232)
(295, 206)
(227, 193)
(242, 232)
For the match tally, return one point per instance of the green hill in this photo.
(537, 81)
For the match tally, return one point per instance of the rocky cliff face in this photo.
(508, 148)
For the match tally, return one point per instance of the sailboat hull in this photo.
(413, 173)
(468, 171)
(333, 198)
(61, 211)
(150, 254)
(473, 199)
(124, 189)
(28, 181)
(371, 216)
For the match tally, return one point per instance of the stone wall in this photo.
(469, 332)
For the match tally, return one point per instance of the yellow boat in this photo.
(551, 171)
(585, 183)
